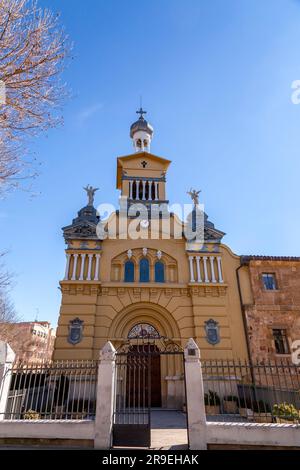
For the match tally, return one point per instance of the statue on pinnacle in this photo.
(91, 194)
(194, 196)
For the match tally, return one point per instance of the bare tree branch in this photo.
(8, 313)
(7, 309)
(33, 53)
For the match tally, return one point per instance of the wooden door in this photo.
(138, 382)
(155, 381)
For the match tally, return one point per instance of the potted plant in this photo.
(212, 403)
(31, 414)
(261, 412)
(245, 409)
(286, 413)
(230, 404)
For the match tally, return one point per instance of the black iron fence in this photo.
(234, 390)
(260, 392)
(56, 390)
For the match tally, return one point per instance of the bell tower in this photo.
(141, 176)
(141, 133)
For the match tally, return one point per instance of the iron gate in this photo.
(138, 387)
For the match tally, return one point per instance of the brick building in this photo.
(271, 304)
(32, 342)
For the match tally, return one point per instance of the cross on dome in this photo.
(141, 133)
(141, 112)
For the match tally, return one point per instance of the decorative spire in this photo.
(141, 132)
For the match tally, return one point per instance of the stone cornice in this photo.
(246, 259)
(208, 289)
(80, 287)
(145, 285)
(85, 251)
(136, 289)
(144, 178)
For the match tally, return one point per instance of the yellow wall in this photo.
(177, 308)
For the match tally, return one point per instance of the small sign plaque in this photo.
(75, 331)
(212, 331)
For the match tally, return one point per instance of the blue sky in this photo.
(216, 78)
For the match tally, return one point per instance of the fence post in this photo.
(195, 397)
(7, 357)
(105, 397)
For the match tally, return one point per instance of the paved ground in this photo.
(168, 430)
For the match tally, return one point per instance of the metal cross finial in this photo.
(141, 112)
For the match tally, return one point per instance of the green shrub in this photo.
(286, 411)
(211, 398)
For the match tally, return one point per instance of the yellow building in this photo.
(139, 274)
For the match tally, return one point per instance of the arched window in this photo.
(159, 271)
(144, 270)
(147, 191)
(140, 191)
(134, 190)
(142, 330)
(129, 271)
(153, 191)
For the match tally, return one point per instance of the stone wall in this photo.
(278, 308)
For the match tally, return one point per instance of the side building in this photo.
(32, 342)
(270, 293)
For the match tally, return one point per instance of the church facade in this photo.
(146, 278)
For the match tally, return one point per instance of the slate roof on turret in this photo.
(84, 225)
(141, 125)
(212, 233)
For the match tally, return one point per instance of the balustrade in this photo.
(205, 269)
(82, 267)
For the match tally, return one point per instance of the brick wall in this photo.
(272, 309)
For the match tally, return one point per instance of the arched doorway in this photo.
(138, 383)
(142, 337)
(161, 328)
